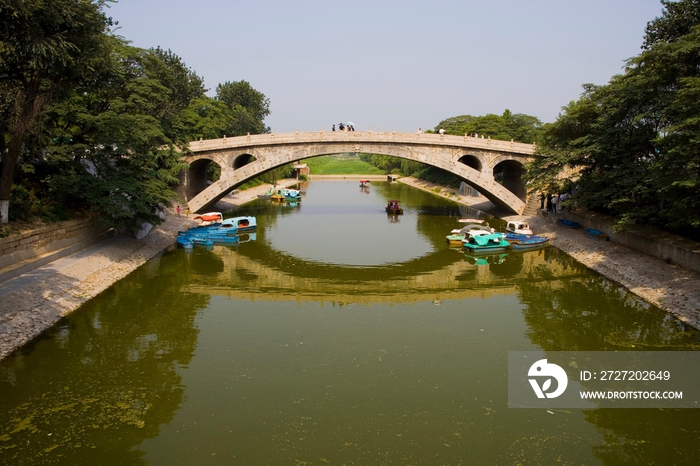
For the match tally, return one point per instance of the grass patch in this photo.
(341, 165)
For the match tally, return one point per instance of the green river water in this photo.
(335, 335)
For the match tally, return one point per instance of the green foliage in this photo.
(248, 106)
(631, 145)
(45, 47)
(111, 115)
(109, 143)
(331, 165)
(519, 127)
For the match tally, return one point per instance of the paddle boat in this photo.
(223, 238)
(292, 194)
(518, 227)
(229, 226)
(393, 208)
(595, 234)
(364, 183)
(487, 243)
(267, 194)
(519, 237)
(242, 223)
(201, 240)
(457, 236)
(569, 223)
(530, 243)
(185, 242)
(210, 218)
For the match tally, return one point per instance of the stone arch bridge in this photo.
(475, 160)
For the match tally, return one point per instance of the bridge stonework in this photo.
(244, 157)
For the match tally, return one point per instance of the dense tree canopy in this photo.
(90, 123)
(519, 127)
(43, 47)
(249, 107)
(631, 146)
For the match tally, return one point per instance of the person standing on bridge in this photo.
(333, 127)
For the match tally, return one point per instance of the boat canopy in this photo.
(484, 240)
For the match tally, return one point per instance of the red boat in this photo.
(209, 218)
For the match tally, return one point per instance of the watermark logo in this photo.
(547, 371)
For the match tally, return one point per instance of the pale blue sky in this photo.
(396, 64)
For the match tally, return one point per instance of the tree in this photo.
(108, 142)
(249, 107)
(519, 127)
(43, 46)
(633, 142)
(676, 20)
(183, 84)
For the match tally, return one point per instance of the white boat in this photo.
(518, 227)
(458, 235)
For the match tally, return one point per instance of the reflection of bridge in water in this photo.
(261, 273)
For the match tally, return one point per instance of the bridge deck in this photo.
(362, 137)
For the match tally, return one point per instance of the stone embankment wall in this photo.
(665, 246)
(48, 242)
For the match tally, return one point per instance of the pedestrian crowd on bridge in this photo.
(345, 127)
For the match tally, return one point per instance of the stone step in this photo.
(532, 205)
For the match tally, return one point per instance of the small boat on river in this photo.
(229, 226)
(488, 243)
(457, 236)
(393, 208)
(292, 194)
(530, 243)
(518, 227)
(267, 194)
(569, 223)
(209, 218)
(595, 234)
(185, 242)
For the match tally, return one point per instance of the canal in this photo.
(335, 334)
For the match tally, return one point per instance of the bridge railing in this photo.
(359, 137)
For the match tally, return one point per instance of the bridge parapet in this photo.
(362, 137)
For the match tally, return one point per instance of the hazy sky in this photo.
(399, 65)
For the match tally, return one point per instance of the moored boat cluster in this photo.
(216, 230)
(476, 237)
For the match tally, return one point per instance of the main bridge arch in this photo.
(472, 159)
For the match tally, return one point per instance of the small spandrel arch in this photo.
(471, 161)
(242, 160)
